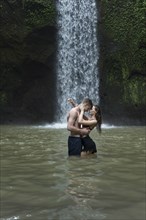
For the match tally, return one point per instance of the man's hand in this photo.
(70, 100)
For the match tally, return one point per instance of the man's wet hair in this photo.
(87, 101)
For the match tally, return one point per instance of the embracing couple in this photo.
(80, 126)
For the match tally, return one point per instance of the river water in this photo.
(40, 182)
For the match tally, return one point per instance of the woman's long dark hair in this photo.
(98, 117)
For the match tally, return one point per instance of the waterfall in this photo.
(77, 56)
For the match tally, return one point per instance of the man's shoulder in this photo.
(74, 110)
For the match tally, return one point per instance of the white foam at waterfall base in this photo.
(64, 126)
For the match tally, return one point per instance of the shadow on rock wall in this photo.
(34, 98)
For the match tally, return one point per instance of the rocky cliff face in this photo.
(28, 51)
(121, 65)
(31, 98)
(28, 47)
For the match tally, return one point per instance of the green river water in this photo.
(40, 182)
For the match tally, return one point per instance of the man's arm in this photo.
(72, 102)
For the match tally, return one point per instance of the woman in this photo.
(95, 120)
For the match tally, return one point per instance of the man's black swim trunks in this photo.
(74, 146)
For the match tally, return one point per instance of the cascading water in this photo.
(77, 72)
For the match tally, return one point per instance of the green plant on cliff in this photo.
(18, 19)
(125, 25)
(39, 12)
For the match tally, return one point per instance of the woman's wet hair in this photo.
(98, 117)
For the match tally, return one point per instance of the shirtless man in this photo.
(74, 139)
